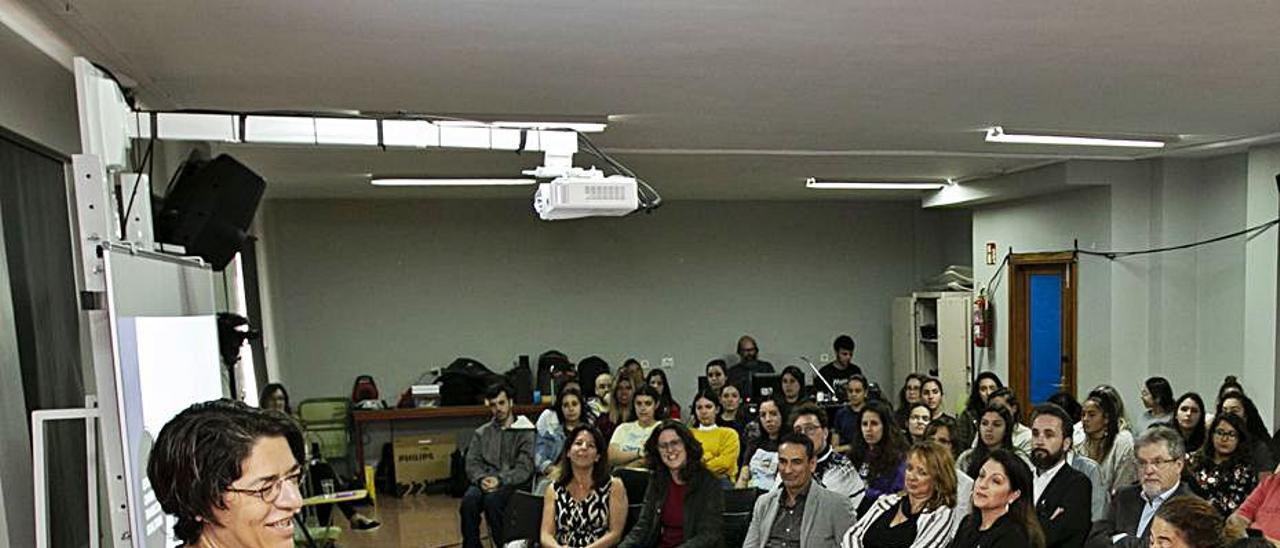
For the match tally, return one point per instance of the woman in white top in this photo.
(626, 447)
(1106, 443)
(759, 460)
(921, 514)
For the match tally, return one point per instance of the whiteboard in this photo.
(165, 357)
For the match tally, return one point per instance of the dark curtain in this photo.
(37, 239)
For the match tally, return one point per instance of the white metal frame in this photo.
(38, 421)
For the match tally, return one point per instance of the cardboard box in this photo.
(421, 459)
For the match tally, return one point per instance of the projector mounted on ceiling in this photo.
(586, 193)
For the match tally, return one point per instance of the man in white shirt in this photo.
(1061, 493)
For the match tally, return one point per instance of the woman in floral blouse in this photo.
(1223, 468)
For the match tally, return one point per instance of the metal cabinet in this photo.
(933, 331)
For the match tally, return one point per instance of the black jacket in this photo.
(1123, 517)
(1071, 492)
(703, 513)
(1004, 533)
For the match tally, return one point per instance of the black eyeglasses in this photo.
(1226, 434)
(272, 491)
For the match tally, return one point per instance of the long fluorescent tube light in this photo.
(997, 135)
(581, 127)
(450, 182)
(869, 185)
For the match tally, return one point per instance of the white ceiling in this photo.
(712, 99)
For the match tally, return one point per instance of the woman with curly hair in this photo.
(878, 452)
(684, 503)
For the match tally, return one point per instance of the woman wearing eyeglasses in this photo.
(230, 474)
(684, 504)
(1223, 468)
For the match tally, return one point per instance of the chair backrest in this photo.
(740, 500)
(524, 517)
(636, 482)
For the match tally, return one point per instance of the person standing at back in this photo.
(838, 371)
(749, 362)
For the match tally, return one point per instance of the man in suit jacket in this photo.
(1128, 521)
(800, 510)
(1062, 494)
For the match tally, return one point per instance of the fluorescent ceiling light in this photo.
(871, 185)
(997, 135)
(346, 131)
(403, 181)
(280, 129)
(580, 127)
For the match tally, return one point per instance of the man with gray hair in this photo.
(1159, 453)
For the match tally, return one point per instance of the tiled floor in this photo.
(425, 521)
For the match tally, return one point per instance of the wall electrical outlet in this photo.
(668, 362)
(824, 357)
(644, 364)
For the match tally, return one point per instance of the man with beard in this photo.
(1062, 494)
(1159, 463)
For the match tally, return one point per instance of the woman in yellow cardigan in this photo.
(719, 444)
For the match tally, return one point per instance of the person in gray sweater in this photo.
(499, 460)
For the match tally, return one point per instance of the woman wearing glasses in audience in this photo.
(620, 408)
(1189, 421)
(1223, 468)
(230, 474)
(1240, 405)
(668, 407)
(922, 515)
(879, 453)
(918, 418)
(760, 460)
(792, 382)
(719, 444)
(908, 395)
(626, 447)
(548, 447)
(274, 397)
(993, 433)
(1002, 515)
(1157, 398)
(584, 507)
(967, 423)
(1106, 443)
(684, 503)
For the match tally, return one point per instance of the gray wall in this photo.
(393, 288)
(37, 95)
(1193, 315)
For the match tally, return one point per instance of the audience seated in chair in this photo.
(627, 445)
(1062, 494)
(684, 504)
(1128, 520)
(922, 515)
(584, 507)
(719, 444)
(801, 512)
(499, 460)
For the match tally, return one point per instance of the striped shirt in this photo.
(934, 529)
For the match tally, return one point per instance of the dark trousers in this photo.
(494, 508)
(321, 470)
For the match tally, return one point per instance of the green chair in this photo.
(327, 421)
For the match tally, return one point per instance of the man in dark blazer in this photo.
(1062, 493)
(1159, 453)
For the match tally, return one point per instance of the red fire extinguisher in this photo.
(981, 321)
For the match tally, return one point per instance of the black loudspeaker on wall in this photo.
(209, 207)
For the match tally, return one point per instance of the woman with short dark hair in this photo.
(230, 474)
(584, 506)
(1187, 521)
(791, 384)
(684, 503)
